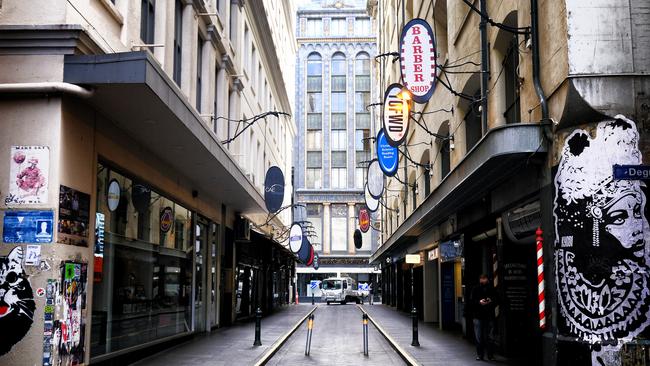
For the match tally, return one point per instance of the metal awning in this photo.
(499, 154)
(133, 92)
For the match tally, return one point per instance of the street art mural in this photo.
(16, 300)
(602, 244)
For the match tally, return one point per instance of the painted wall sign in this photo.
(602, 262)
(632, 172)
(375, 179)
(418, 59)
(28, 175)
(74, 214)
(273, 189)
(295, 237)
(364, 220)
(113, 195)
(28, 227)
(166, 219)
(16, 300)
(387, 155)
(372, 203)
(395, 117)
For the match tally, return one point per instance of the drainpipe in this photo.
(535, 39)
(45, 87)
(484, 67)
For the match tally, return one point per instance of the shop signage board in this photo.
(364, 220)
(395, 116)
(372, 203)
(28, 227)
(375, 179)
(295, 237)
(274, 189)
(418, 59)
(387, 155)
(450, 250)
(632, 172)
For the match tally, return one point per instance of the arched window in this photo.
(426, 174)
(413, 186)
(314, 125)
(362, 115)
(338, 135)
(506, 51)
(445, 152)
(472, 116)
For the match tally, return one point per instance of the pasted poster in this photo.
(602, 244)
(69, 330)
(16, 300)
(28, 175)
(74, 213)
(28, 227)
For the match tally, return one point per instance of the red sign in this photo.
(364, 220)
(418, 59)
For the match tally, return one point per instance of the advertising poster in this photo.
(74, 211)
(28, 227)
(29, 167)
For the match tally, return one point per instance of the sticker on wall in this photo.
(113, 195)
(28, 227)
(395, 116)
(273, 189)
(70, 330)
(418, 59)
(387, 155)
(33, 255)
(74, 214)
(364, 220)
(28, 171)
(602, 261)
(295, 237)
(16, 300)
(375, 179)
(166, 219)
(372, 203)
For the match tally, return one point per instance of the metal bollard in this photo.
(414, 316)
(365, 334)
(310, 327)
(258, 327)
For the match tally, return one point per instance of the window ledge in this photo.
(112, 9)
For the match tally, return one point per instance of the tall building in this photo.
(532, 112)
(334, 86)
(130, 162)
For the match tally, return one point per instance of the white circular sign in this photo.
(418, 59)
(375, 179)
(113, 195)
(371, 202)
(295, 238)
(395, 115)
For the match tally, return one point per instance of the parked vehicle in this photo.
(340, 289)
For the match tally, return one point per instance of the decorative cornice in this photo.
(57, 39)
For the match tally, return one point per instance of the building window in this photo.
(314, 27)
(472, 121)
(362, 26)
(215, 111)
(178, 41)
(315, 216)
(314, 178)
(362, 115)
(246, 49)
(339, 227)
(338, 27)
(147, 21)
(314, 139)
(199, 72)
(510, 67)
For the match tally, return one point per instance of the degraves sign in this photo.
(418, 59)
(396, 115)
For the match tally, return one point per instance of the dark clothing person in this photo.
(483, 302)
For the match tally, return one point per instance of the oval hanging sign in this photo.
(375, 179)
(386, 155)
(166, 219)
(358, 239)
(273, 189)
(371, 202)
(395, 117)
(310, 261)
(364, 220)
(418, 59)
(113, 196)
(295, 237)
(304, 251)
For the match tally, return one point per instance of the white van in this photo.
(340, 289)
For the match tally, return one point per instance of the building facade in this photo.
(530, 115)
(132, 118)
(334, 86)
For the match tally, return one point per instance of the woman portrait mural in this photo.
(602, 240)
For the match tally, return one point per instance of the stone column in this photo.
(327, 248)
(351, 227)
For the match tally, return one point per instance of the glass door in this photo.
(214, 274)
(200, 250)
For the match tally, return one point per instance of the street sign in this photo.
(313, 284)
(364, 220)
(273, 189)
(395, 115)
(386, 155)
(371, 202)
(631, 172)
(295, 237)
(418, 59)
(375, 179)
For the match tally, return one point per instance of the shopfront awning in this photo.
(497, 156)
(132, 91)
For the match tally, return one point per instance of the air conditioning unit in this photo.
(242, 229)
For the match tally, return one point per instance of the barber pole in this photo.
(495, 276)
(540, 278)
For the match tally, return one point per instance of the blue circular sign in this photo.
(387, 155)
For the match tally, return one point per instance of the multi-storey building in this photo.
(132, 117)
(334, 86)
(535, 103)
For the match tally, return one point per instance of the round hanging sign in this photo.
(303, 253)
(364, 220)
(295, 237)
(418, 59)
(358, 239)
(274, 189)
(113, 196)
(310, 261)
(316, 260)
(375, 179)
(395, 116)
(386, 155)
(166, 219)
(371, 202)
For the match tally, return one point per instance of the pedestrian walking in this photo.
(483, 301)
(370, 292)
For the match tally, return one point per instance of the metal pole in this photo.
(258, 327)
(414, 314)
(310, 326)
(484, 67)
(312, 297)
(365, 334)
